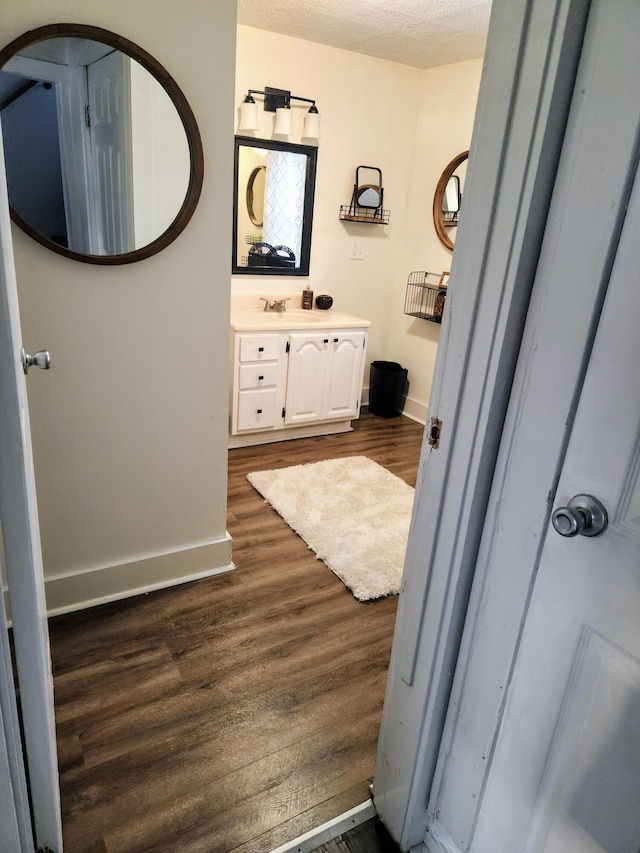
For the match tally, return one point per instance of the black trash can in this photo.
(387, 382)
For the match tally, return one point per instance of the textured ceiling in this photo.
(422, 33)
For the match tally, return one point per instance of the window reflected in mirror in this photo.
(273, 207)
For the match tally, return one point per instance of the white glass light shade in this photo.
(284, 124)
(248, 116)
(311, 126)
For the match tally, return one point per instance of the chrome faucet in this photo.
(276, 305)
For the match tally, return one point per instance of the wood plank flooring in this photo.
(369, 837)
(235, 713)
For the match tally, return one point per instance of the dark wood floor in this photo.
(232, 714)
(369, 837)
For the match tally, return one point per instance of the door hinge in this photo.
(288, 347)
(283, 411)
(435, 431)
(87, 116)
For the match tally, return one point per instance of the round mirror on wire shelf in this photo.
(103, 154)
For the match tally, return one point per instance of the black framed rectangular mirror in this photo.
(274, 186)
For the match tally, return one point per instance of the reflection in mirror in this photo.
(447, 200)
(272, 237)
(103, 155)
(255, 195)
(452, 197)
(368, 189)
(368, 196)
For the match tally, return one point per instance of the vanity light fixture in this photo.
(278, 101)
(284, 121)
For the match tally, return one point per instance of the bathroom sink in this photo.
(254, 319)
(297, 315)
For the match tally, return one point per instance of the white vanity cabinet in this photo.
(294, 383)
(324, 379)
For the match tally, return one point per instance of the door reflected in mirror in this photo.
(103, 155)
(273, 207)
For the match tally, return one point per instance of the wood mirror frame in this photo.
(162, 76)
(438, 198)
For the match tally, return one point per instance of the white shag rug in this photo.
(351, 512)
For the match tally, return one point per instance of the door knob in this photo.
(40, 359)
(583, 515)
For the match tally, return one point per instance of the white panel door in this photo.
(23, 559)
(344, 380)
(308, 355)
(565, 776)
(109, 95)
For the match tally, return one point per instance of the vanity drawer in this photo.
(259, 347)
(257, 376)
(257, 409)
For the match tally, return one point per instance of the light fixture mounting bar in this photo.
(275, 99)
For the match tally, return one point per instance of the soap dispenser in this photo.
(307, 298)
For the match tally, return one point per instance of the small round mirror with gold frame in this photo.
(447, 200)
(103, 155)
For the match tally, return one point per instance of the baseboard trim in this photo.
(415, 410)
(329, 830)
(89, 587)
(288, 433)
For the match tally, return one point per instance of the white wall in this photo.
(368, 114)
(408, 122)
(445, 122)
(130, 424)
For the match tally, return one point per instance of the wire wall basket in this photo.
(426, 295)
(349, 213)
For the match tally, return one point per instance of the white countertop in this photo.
(257, 320)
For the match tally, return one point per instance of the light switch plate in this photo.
(357, 251)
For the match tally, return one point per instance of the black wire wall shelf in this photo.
(375, 217)
(426, 295)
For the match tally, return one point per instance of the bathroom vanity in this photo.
(295, 373)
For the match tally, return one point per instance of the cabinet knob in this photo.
(260, 349)
(259, 411)
(260, 378)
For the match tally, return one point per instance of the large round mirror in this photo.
(103, 155)
(447, 200)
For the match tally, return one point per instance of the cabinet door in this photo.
(344, 375)
(306, 377)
